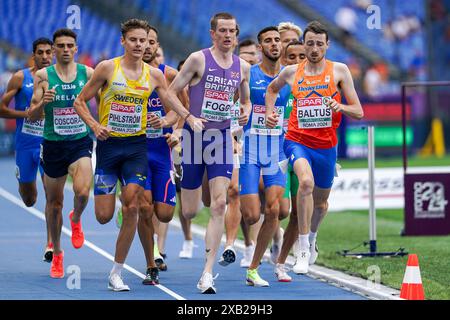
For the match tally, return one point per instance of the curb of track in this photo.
(340, 279)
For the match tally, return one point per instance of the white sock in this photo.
(117, 268)
(304, 241)
(312, 237)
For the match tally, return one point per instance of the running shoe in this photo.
(206, 283)
(57, 267)
(77, 233)
(159, 259)
(116, 283)
(119, 218)
(302, 262)
(248, 256)
(253, 279)
(314, 251)
(187, 251)
(228, 256)
(281, 273)
(48, 253)
(151, 277)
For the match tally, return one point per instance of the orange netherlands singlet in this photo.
(312, 123)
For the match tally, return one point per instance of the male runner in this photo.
(289, 32)
(295, 53)
(28, 134)
(263, 150)
(126, 84)
(214, 75)
(67, 147)
(247, 50)
(160, 194)
(311, 139)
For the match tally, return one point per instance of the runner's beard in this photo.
(271, 58)
(152, 57)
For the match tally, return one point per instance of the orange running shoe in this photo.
(57, 268)
(77, 233)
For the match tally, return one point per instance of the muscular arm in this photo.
(90, 90)
(244, 90)
(286, 77)
(344, 79)
(168, 97)
(14, 85)
(38, 101)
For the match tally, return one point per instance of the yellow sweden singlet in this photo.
(123, 104)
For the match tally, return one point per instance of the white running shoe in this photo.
(302, 262)
(116, 283)
(188, 248)
(228, 256)
(314, 251)
(276, 248)
(206, 283)
(248, 256)
(281, 273)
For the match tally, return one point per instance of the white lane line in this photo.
(8, 196)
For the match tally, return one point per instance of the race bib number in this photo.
(34, 128)
(259, 121)
(67, 122)
(312, 113)
(125, 119)
(217, 105)
(235, 113)
(153, 133)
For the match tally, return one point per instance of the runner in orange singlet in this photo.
(311, 139)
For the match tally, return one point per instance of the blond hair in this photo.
(286, 26)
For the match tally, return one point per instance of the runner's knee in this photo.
(306, 186)
(322, 207)
(233, 191)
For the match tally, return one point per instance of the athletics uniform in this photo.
(211, 99)
(312, 126)
(28, 134)
(159, 156)
(123, 109)
(66, 137)
(291, 177)
(263, 147)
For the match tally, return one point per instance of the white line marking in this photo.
(8, 196)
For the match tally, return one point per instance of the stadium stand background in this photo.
(413, 34)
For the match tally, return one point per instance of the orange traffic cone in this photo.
(412, 288)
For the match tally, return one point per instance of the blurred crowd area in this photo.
(402, 40)
(413, 38)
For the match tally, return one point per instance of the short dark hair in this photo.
(132, 24)
(317, 28)
(292, 43)
(266, 29)
(180, 64)
(150, 27)
(41, 41)
(246, 43)
(221, 15)
(64, 32)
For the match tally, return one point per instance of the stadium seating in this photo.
(23, 21)
(192, 17)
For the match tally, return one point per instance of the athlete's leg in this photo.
(81, 172)
(233, 215)
(54, 193)
(218, 188)
(130, 195)
(28, 193)
(270, 223)
(145, 226)
(320, 207)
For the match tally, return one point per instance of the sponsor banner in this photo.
(350, 189)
